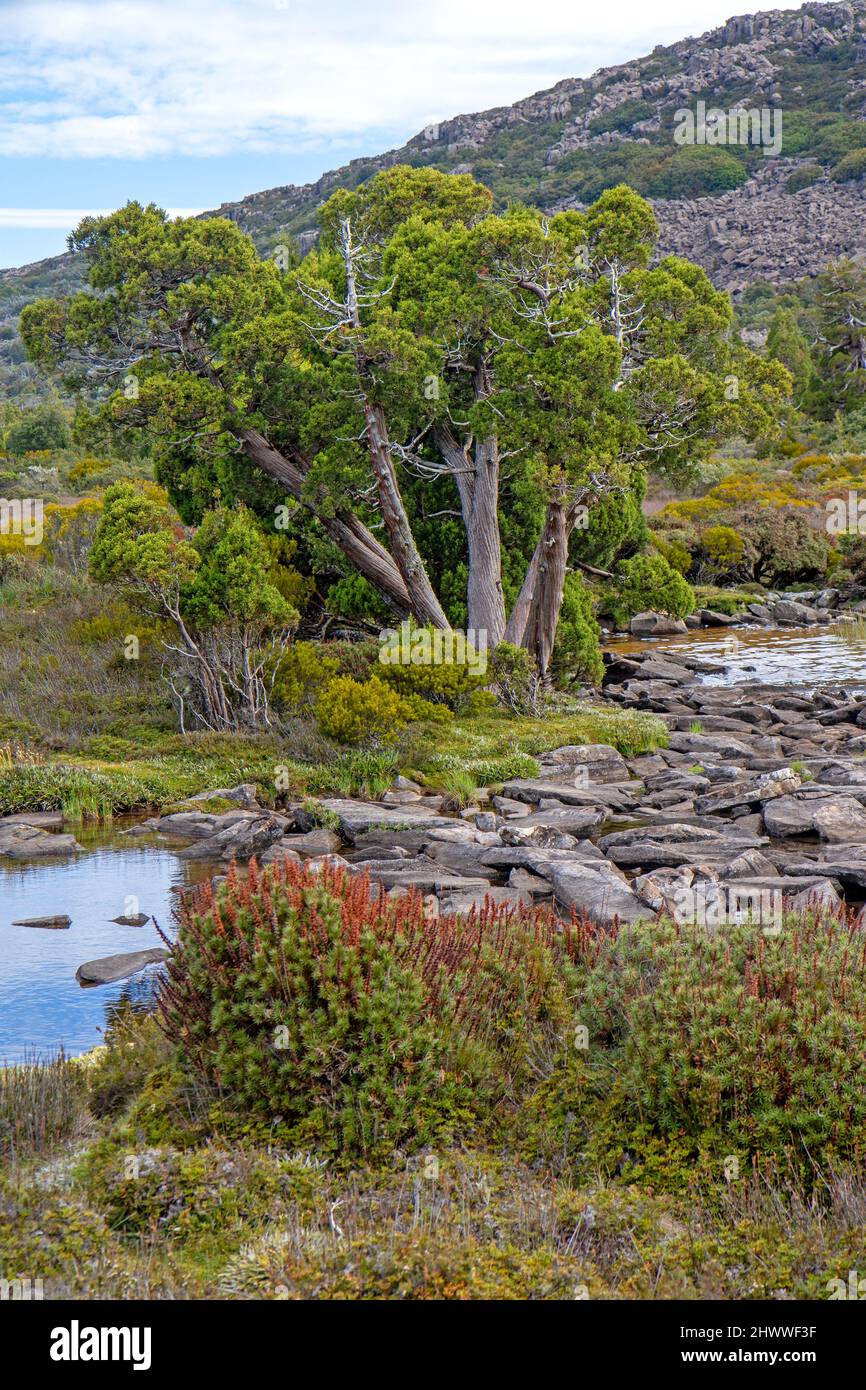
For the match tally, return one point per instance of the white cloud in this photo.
(138, 78)
(65, 219)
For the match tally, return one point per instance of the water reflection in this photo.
(791, 656)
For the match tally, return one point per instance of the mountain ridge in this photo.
(741, 215)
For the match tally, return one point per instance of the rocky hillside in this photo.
(741, 214)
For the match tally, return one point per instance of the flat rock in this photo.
(601, 895)
(24, 841)
(109, 968)
(356, 817)
(58, 923)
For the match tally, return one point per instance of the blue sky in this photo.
(189, 103)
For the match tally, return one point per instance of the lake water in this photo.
(42, 1005)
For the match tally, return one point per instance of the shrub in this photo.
(354, 712)
(804, 177)
(358, 1022)
(649, 582)
(300, 677)
(722, 549)
(851, 166)
(577, 654)
(514, 674)
(739, 1040)
(440, 682)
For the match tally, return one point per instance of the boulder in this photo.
(107, 969)
(356, 817)
(710, 618)
(244, 795)
(318, 841)
(599, 893)
(21, 841)
(840, 820)
(788, 815)
(652, 624)
(240, 840)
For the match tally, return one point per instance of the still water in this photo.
(42, 1005)
(798, 656)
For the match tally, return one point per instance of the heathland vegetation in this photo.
(457, 418)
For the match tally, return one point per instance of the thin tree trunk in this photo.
(477, 482)
(535, 617)
(425, 604)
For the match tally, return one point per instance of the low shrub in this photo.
(368, 712)
(362, 1025)
(649, 582)
(737, 1041)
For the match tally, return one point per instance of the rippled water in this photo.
(796, 656)
(42, 1005)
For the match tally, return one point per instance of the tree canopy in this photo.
(427, 362)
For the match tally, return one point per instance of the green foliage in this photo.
(301, 675)
(722, 549)
(697, 170)
(44, 427)
(577, 654)
(368, 712)
(803, 177)
(514, 675)
(663, 998)
(850, 166)
(361, 1025)
(445, 682)
(649, 582)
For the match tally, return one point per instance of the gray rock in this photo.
(356, 817)
(21, 841)
(652, 624)
(57, 923)
(107, 969)
(136, 919)
(599, 893)
(319, 841)
(240, 840)
(244, 795)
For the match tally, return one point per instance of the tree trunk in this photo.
(425, 604)
(534, 619)
(477, 483)
(357, 543)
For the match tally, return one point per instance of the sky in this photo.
(190, 103)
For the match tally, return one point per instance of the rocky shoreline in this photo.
(759, 796)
